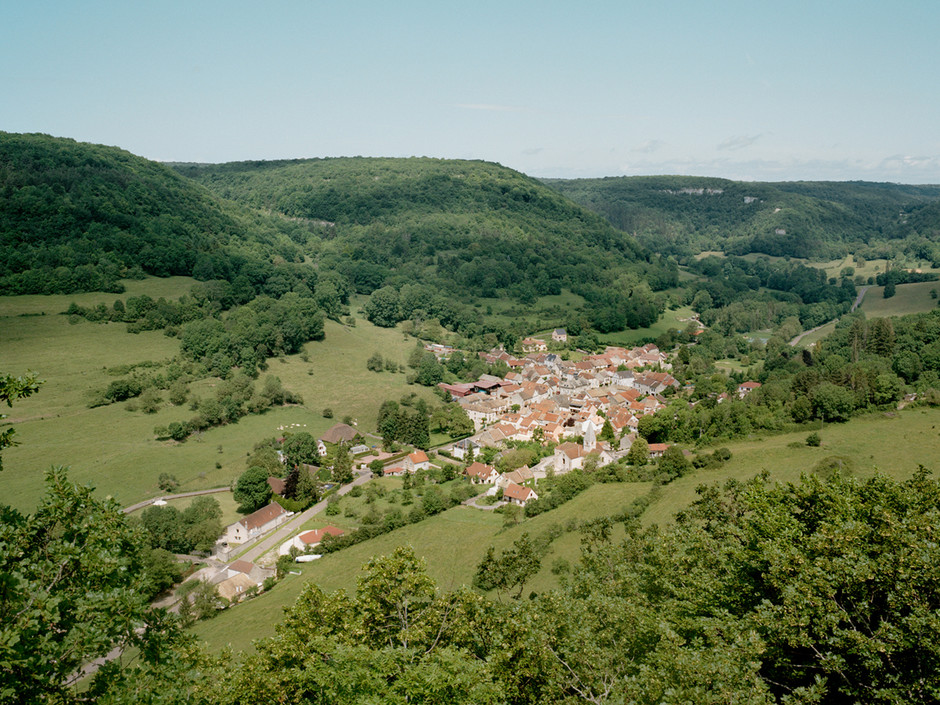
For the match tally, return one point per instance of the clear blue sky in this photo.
(745, 90)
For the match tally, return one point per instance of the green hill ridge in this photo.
(685, 215)
(79, 217)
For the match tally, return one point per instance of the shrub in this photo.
(168, 482)
(813, 440)
(375, 363)
(121, 389)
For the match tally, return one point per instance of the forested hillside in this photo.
(424, 233)
(685, 215)
(451, 226)
(79, 217)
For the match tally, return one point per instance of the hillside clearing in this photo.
(909, 298)
(115, 449)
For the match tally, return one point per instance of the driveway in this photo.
(257, 553)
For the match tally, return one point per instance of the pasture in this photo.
(671, 319)
(114, 448)
(908, 298)
(454, 542)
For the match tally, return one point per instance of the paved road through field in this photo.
(285, 531)
(858, 302)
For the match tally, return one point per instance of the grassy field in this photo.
(670, 319)
(871, 268)
(909, 298)
(154, 287)
(894, 445)
(818, 335)
(728, 366)
(114, 449)
(454, 542)
(540, 318)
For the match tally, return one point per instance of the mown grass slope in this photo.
(454, 542)
(115, 449)
(909, 298)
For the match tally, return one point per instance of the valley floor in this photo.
(454, 542)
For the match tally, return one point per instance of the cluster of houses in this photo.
(546, 396)
(543, 397)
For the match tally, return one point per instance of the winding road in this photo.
(858, 302)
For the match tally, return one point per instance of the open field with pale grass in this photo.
(115, 449)
(454, 542)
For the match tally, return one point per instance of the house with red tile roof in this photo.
(657, 449)
(417, 461)
(256, 524)
(518, 494)
(481, 474)
(308, 539)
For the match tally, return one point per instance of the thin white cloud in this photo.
(738, 142)
(490, 107)
(649, 147)
(897, 168)
(900, 162)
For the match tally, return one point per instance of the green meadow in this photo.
(908, 298)
(115, 449)
(671, 319)
(454, 542)
(894, 444)
(817, 335)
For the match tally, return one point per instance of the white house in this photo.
(256, 524)
(417, 461)
(463, 448)
(568, 457)
(308, 539)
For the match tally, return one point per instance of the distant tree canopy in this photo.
(685, 215)
(414, 233)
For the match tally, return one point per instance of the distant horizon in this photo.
(491, 161)
(744, 91)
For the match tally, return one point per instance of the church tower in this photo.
(590, 440)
